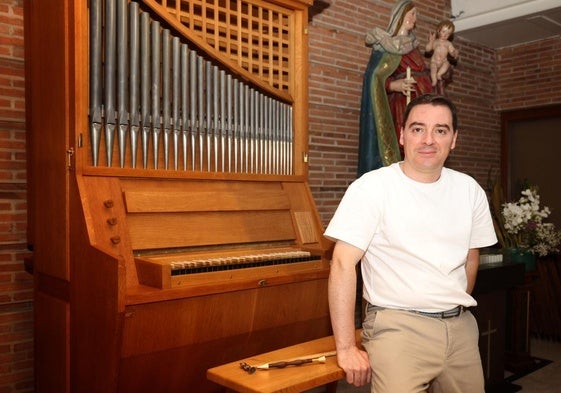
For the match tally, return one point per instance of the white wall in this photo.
(474, 13)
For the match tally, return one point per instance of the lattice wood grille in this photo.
(256, 36)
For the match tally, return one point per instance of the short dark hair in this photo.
(436, 100)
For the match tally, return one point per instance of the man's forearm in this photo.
(342, 299)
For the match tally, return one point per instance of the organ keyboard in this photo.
(172, 271)
(174, 229)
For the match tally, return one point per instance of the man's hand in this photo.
(356, 366)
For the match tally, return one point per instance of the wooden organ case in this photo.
(170, 219)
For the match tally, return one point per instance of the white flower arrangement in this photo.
(525, 227)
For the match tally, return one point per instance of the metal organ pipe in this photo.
(95, 78)
(110, 71)
(176, 95)
(166, 91)
(122, 80)
(134, 80)
(156, 80)
(145, 84)
(184, 73)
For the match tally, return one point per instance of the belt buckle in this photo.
(452, 313)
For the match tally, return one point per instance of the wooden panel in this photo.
(545, 310)
(163, 201)
(47, 151)
(225, 315)
(183, 369)
(306, 227)
(517, 343)
(98, 283)
(104, 214)
(153, 274)
(306, 219)
(282, 305)
(528, 139)
(52, 332)
(149, 274)
(154, 231)
(490, 314)
(493, 281)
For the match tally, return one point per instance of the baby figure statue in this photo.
(440, 44)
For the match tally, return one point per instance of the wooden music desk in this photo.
(283, 380)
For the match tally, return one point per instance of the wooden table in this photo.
(285, 380)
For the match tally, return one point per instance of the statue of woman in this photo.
(386, 87)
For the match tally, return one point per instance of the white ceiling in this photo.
(501, 23)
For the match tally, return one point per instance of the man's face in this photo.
(427, 138)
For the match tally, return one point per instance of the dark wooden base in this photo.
(518, 363)
(503, 387)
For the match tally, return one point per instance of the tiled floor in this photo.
(548, 378)
(544, 380)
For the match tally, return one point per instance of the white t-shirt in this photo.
(416, 236)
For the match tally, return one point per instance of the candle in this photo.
(408, 94)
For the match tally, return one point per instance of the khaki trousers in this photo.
(412, 353)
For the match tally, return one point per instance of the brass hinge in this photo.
(69, 156)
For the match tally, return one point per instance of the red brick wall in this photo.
(16, 312)
(529, 76)
(485, 81)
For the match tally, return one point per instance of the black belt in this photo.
(455, 312)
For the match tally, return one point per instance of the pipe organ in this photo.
(170, 218)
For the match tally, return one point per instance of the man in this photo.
(417, 227)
